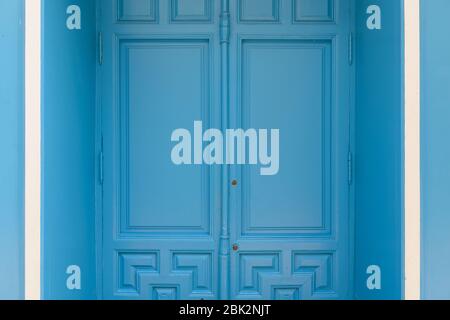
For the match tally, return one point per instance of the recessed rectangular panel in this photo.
(252, 269)
(286, 86)
(198, 267)
(313, 10)
(164, 86)
(259, 11)
(132, 265)
(191, 11)
(137, 10)
(318, 266)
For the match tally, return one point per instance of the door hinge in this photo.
(100, 48)
(350, 48)
(100, 164)
(350, 167)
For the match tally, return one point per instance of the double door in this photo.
(225, 231)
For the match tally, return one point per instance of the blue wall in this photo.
(435, 117)
(379, 145)
(11, 148)
(68, 200)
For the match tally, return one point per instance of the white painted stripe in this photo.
(412, 150)
(32, 149)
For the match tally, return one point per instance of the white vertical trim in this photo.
(412, 149)
(32, 149)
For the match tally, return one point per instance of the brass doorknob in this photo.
(234, 183)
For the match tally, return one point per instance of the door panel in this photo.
(160, 221)
(286, 85)
(168, 231)
(290, 66)
(160, 78)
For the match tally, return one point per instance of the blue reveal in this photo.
(379, 150)
(68, 163)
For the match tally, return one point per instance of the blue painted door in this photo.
(220, 232)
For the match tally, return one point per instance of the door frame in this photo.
(98, 160)
(351, 149)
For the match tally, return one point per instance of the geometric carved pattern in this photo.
(319, 266)
(259, 11)
(199, 266)
(253, 267)
(313, 11)
(137, 11)
(132, 265)
(191, 10)
(188, 274)
(308, 275)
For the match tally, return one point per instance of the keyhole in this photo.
(235, 247)
(234, 183)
